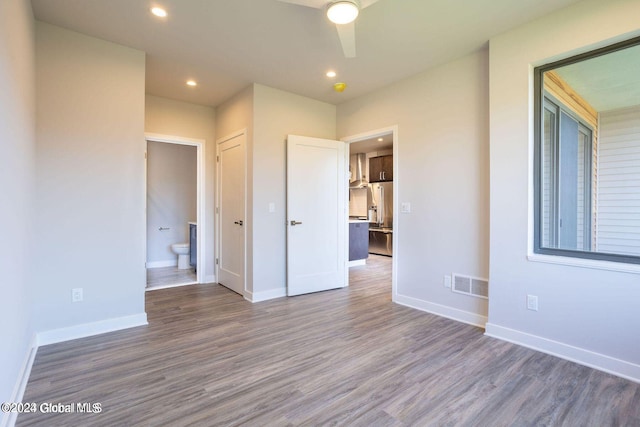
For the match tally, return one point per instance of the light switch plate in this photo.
(272, 207)
(532, 302)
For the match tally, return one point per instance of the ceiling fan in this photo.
(343, 13)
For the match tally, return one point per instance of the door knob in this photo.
(240, 223)
(296, 222)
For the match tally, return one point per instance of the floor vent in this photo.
(468, 285)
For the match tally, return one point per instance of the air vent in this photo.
(468, 285)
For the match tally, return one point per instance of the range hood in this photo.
(357, 168)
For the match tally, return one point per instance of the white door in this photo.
(317, 216)
(231, 213)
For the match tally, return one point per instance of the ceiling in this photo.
(225, 45)
(607, 82)
(378, 143)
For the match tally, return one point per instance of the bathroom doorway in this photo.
(174, 211)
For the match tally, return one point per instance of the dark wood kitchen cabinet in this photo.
(381, 169)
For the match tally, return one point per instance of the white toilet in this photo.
(182, 250)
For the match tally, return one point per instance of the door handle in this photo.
(239, 222)
(383, 177)
(380, 176)
(296, 222)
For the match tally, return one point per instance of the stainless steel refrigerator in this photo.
(380, 203)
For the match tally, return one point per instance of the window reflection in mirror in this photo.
(588, 155)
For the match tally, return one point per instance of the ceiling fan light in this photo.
(342, 12)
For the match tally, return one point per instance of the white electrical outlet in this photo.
(405, 207)
(532, 302)
(76, 295)
(447, 281)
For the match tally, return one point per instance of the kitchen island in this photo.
(358, 241)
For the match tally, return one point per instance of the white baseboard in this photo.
(9, 419)
(173, 285)
(160, 264)
(357, 262)
(210, 279)
(89, 329)
(601, 362)
(442, 310)
(265, 295)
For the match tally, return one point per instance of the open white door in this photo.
(317, 215)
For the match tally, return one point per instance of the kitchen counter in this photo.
(357, 219)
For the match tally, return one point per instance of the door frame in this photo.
(246, 226)
(200, 192)
(396, 181)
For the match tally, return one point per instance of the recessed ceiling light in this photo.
(380, 139)
(158, 11)
(191, 83)
(331, 74)
(342, 12)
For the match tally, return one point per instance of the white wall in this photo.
(276, 115)
(358, 202)
(168, 117)
(17, 161)
(590, 315)
(90, 216)
(171, 198)
(443, 172)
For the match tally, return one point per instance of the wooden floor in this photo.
(344, 357)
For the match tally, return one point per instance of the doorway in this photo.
(174, 213)
(373, 201)
(231, 218)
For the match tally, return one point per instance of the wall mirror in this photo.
(587, 155)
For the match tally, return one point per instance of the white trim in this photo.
(396, 185)
(162, 264)
(173, 285)
(357, 262)
(585, 263)
(265, 295)
(172, 139)
(231, 136)
(443, 310)
(200, 145)
(9, 419)
(210, 279)
(578, 355)
(89, 329)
